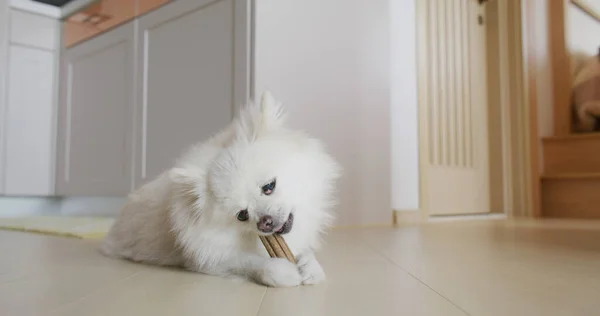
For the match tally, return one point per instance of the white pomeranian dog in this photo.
(255, 177)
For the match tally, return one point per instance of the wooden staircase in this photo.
(570, 181)
(571, 176)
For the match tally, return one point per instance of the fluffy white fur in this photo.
(187, 216)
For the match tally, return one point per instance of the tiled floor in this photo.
(451, 268)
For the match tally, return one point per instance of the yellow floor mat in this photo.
(77, 227)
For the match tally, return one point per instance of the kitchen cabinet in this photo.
(27, 103)
(28, 29)
(145, 6)
(30, 123)
(95, 117)
(134, 98)
(185, 71)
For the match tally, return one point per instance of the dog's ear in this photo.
(256, 120)
(272, 112)
(189, 185)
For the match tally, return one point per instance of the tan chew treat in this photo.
(277, 247)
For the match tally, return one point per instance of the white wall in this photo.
(404, 105)
(330, 62)
(582, 30)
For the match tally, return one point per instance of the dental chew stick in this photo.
(277, 247)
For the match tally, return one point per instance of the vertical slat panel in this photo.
(458, 69)
(443, 93)
(468, 139)
(457, 100)
(450, 83)
(434, 135)
(450, 31)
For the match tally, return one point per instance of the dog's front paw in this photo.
(310, 269)
(280, 273)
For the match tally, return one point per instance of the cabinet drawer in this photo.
(33, 30)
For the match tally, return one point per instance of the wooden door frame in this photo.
(560, 66)
(520, 136)
(529, 20)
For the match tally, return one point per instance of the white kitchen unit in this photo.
(134, 98)
(27, 102)
(30, 125)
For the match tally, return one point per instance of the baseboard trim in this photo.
(363, 226)
(403, 217)
(411, 217)
(474, 217)
(68, 206)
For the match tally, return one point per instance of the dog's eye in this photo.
(268, 189)
(242, 215)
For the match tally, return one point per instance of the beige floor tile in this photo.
(360, 282)
(40, 273)
(43, 293)
(498, 268)
(164, 292)
(28, 255)
(456, 268)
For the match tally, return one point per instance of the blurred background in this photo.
(434, 108)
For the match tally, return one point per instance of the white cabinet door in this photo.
(192, 69)
(95, 126)
(29, 120)
(3, 73)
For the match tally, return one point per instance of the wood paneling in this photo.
(561, 67)
(103, 16)
(571, 196)
(572, 154)
(532, 56)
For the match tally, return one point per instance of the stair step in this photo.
(583, 175)
(571, 195)
(594, 135)
(578, 153)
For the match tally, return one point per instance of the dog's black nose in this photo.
(265, 224)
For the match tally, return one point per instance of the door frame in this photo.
(520, 184)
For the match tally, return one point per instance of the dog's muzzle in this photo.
(267, 225)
